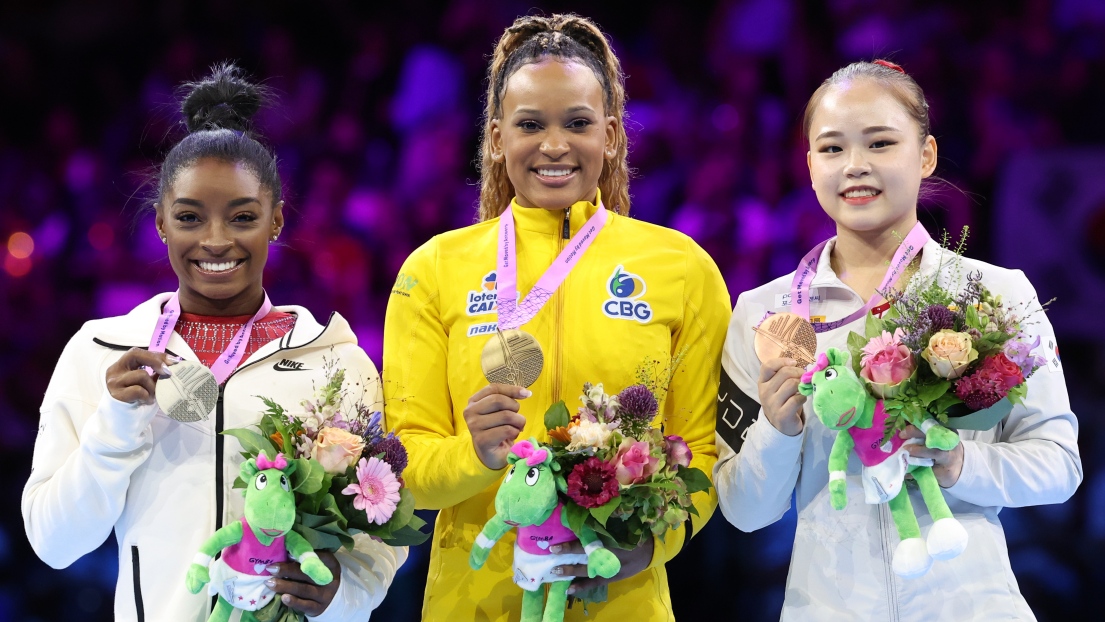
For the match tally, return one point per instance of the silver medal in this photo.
(189, 394)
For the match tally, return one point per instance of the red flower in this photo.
(990, 383)
(592, 483)
(1009, 371)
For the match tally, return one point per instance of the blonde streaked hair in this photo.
(534, 38)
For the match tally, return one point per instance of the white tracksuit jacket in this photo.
(165, 486)
(840, 565)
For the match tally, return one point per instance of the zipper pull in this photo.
(567, 229)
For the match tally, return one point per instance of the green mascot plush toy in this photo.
(262, 537)
(842, 402)
(527, 499)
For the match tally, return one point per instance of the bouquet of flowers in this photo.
(348, 477)
(961, 355)
(624, 478)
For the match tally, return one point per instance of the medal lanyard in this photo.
(512, 313)
(231, 356)
(800, 285)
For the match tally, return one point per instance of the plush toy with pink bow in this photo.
(527, 499)
(261, 538)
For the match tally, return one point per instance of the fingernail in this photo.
(555, 548)
(571, 590)
(558, 570)
(173, 360)
(272, 569)
(165, 373)
(525, 393)
(792, 362)
(271, 582)
(286, 599)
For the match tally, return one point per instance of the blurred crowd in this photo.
(376, 128)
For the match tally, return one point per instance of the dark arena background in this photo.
(376, 130)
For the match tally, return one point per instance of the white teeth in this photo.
(860, 192)
(209, 266)
(550, 172)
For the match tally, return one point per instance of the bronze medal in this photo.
(512, 357)
(786, 335)
(189, 394)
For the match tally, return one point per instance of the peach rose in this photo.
(336, 449)
(950, 353)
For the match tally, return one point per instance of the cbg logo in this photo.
(483, 301)
(626, 289)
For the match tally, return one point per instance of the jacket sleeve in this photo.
(443, 467)
(757, 465)
(1035, 459)
(691, 403)
(83, 458)
(366, 573)
(369, 568)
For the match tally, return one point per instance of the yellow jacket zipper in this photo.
(565, 234)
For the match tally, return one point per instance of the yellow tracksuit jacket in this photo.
(669, 298)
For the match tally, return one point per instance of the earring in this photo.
(164, 240)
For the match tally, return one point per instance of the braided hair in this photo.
(532, 39)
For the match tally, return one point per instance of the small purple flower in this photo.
(638, 403)
(395, 454)
(1020, 352)
(941, 317)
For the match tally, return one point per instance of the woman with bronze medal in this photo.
(490, 325)
(129, 439)
(870, 147)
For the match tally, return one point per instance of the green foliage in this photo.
(557, 416)
(252, 442)
(603, 512)
(694, 479)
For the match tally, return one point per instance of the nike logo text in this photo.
(286, 365)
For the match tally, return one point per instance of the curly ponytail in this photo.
(529, 40)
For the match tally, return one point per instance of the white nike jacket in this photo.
(165, 486)
(840, 565)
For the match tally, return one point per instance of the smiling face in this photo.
(527, 495)
(217, 221)
(840, 398)
(270, 504)
(867, 158)
(554, 135)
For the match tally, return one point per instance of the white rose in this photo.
(588, 434)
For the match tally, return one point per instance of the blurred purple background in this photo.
(376, 131)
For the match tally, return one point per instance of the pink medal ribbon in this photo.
(229, 359)
(513, 314)
(800, 286)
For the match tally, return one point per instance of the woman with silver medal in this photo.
(131, 423)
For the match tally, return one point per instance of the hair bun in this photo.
(222, 100)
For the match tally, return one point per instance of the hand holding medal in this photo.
(786, 343)
(512, 359)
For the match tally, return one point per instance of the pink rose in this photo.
(886, 363)
(336, 449)
(634, 464)
(677, 452)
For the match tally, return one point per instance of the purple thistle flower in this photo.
(940, 316)
(638, 403)
(394, 452)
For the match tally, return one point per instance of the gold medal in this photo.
(786, 335)
(512, 357)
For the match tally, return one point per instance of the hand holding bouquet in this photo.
(347, 477)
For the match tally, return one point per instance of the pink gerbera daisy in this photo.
(376, 491)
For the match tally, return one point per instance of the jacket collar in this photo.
(551, 221)
(135, 328)
(825, 276)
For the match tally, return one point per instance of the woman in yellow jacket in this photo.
(636, 297)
